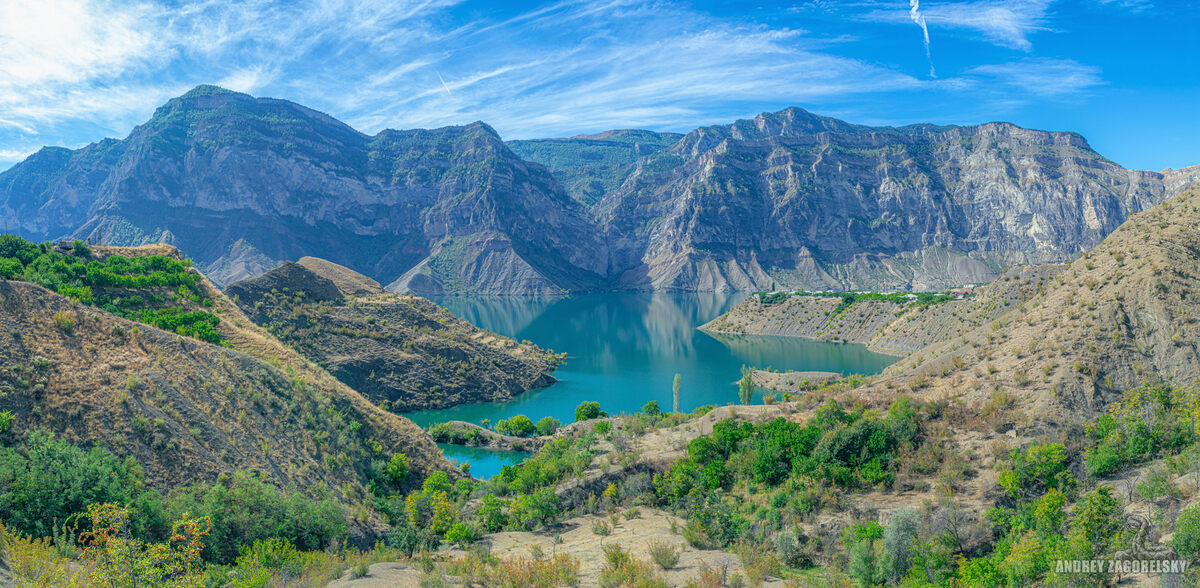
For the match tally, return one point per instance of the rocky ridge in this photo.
(789, 198)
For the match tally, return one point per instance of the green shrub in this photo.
(65, 322)
(45, 480)
(588, 410)
(603, 427)
(663, 554)
(397, 469)
(1187, 532)
(517, 426)
(249, 509)
(547, 426)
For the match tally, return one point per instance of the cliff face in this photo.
(813, 202)
(242, 183)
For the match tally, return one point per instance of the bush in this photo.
(663, 554)
(249, 509)
(518, 426)
(547, 426)
(64, 322)
(589, 410)
(47, 480)
(603, 427)
(397, 469)
(1187, 532)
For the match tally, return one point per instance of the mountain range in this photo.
(241, 184)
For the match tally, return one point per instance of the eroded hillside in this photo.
(401, 351)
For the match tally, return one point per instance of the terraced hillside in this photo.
(896, 328)
(403, 352)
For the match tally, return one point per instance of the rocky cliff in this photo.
(242, 183)
(790, 198)
(812, 202)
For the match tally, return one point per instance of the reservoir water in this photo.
(623, 350)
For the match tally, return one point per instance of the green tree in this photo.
(47, 480)
(397, 469)
(518, 426)
(589, 410)
(548, 425)
(899, 537)
(1187, 532)
(746, 385)
(675, 386)
(1048, 514)
(651, 408)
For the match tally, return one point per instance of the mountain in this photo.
(801, 200)
(242, 184)
(402, 352)
(590, 166)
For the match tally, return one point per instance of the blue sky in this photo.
(1125, 73)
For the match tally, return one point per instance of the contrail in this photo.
(447, 88)
(918, 19)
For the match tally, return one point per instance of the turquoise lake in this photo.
(623, 350)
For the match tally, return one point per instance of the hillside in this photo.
(188, 410)
(403, 352)
(1122, 315)
(895, 328)
(241, 184)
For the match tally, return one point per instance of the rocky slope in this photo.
(187, 410)
(811, 202)
(242, 183)
(1123, 314)
(885, 327)
(402, 352)
(590, 166)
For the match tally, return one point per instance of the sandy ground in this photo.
(575, 537)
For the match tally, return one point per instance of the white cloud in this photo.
(1046, 78)
(1008, 23)
(569, 67)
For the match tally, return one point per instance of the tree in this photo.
(397, 469)
(518, 426)
(651, 408)
(589, 410)
(675, 386)
(746, 385)
(899, 537)
(1187, 532)
(866, 563)
(548, 425)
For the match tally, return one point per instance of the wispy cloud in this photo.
(1047, 78)
(71, 70)
(1008, 23)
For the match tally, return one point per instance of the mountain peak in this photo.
(207, 90)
